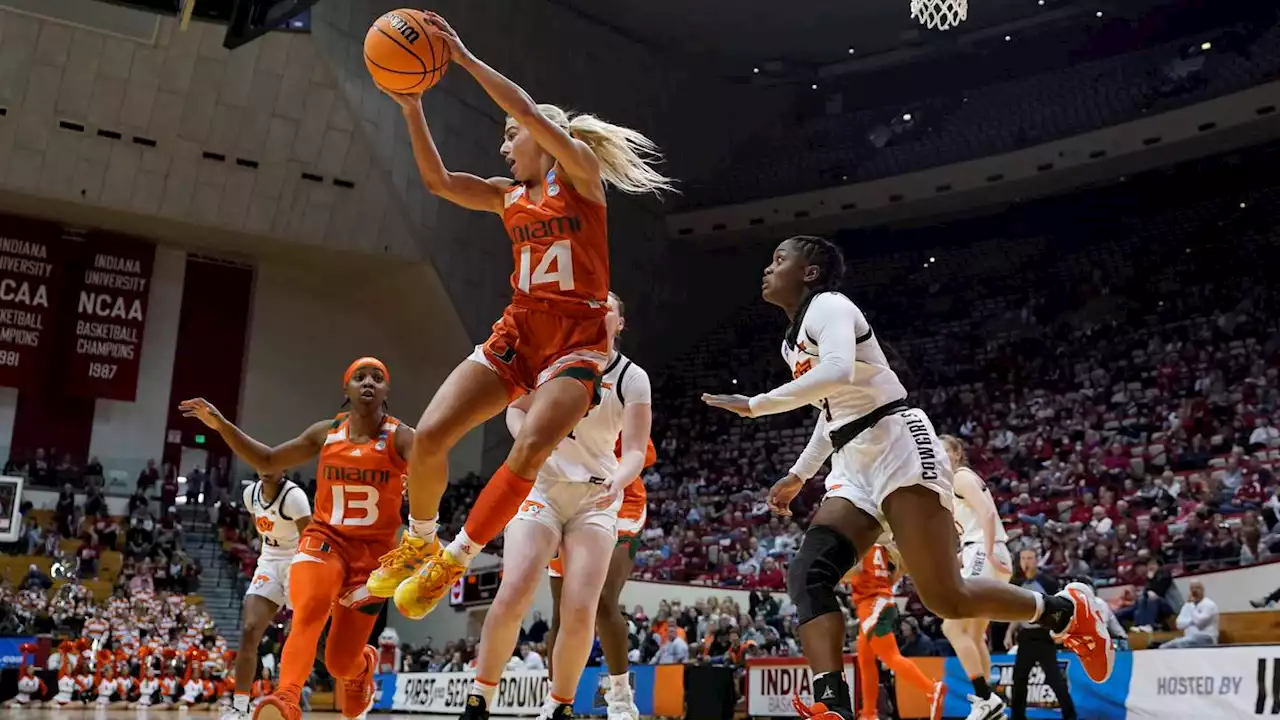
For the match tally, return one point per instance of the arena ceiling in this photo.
(808, 32)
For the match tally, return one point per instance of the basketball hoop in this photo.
(940, 14)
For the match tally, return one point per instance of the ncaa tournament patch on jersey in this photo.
(512, 196)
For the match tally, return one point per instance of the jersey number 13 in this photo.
(354, 497)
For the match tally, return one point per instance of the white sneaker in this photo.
(622, 706)
(230, 713)
(989, 709)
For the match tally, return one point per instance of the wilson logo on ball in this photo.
(404, 27)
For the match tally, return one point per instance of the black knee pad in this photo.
(821, 562)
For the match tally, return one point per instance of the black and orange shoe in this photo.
(819, 711)
(1087, 635)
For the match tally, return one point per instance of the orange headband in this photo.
(365, 362)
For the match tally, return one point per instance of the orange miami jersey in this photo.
(871, 585)
(560, 289)
(359, 489)
(561, 245)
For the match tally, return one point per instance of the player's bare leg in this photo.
(924, 532)
(255, 618)
(470, 396)
(838, 535)
(968, 639)
(558, 406)
(583, 550)
(530, 546)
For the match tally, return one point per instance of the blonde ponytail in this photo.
(626, 156)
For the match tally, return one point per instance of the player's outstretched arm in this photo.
(261, 457)
(574, 156)
(460, 188)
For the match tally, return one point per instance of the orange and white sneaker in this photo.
(425, 588)
(816, 711)
(1087, 635)
(356, 695)
(397, 565)
(278, 707)
(937, 699)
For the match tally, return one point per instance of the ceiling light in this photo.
(814, 86)
(1099, 13)
(852, 51)
(906, 117)
(755, 70)
(1007, 38)
(1206, 45)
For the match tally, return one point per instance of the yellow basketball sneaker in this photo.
(426, 587)
(400, 563)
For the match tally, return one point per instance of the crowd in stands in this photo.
(77, 536)
(126, 619)
(983, 107)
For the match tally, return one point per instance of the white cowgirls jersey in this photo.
(838, 367)
(587, 454)
(275, 519)
(968, 526)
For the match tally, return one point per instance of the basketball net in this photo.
(940, 14)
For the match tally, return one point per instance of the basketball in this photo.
(401, 55)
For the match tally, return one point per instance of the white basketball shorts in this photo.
(271, 580)
(562, 505)
(899, 451)
(974, 562)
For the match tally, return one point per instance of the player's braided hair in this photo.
(827, 256)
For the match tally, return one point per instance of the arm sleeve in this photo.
(636, 388)
(832, 321)
(295, 504)
(815, 453)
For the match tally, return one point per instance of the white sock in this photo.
(621, 684)
(1039, 608)
(484, 690)
(240, 703)
(463, 549)
(423, 529)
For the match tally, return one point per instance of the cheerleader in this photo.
(31, 689)
(149, 694)
(127, 688)
(108, 689)
(170, 691)
(85, 687)
(193, 691)
(66, 690)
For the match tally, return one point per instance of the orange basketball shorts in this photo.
(356, 557)
(534, 342)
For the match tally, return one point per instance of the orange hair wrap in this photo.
(365, 362)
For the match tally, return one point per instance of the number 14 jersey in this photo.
(561, 245)
(360, 485)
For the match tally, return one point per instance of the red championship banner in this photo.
(31, 274)
(104, 313)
